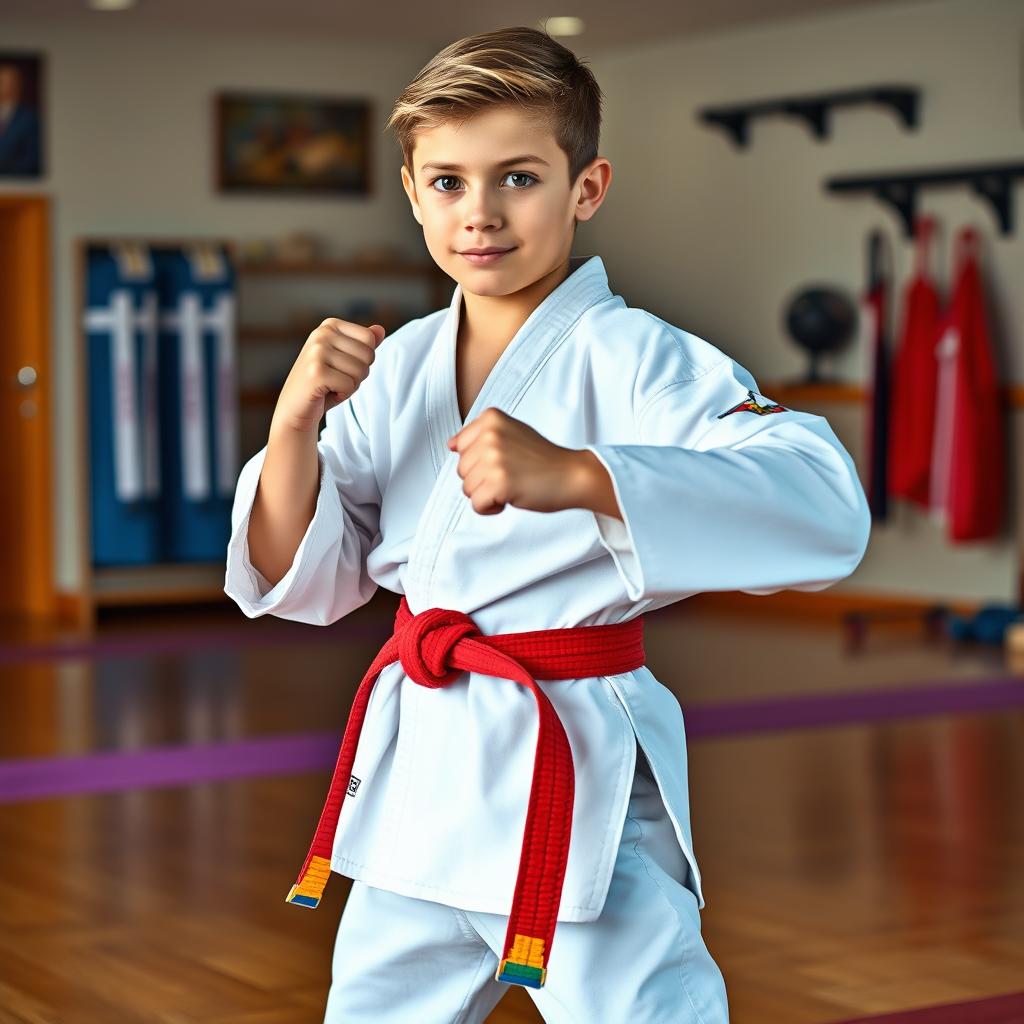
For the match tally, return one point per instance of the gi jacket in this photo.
(720, 490)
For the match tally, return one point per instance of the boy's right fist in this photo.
(333, 362)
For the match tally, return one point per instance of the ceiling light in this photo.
(111, 5)
(563, 26)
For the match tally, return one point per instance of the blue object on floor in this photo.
(988, 625)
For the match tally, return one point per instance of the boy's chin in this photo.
(490, 288)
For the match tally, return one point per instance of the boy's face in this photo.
(528, 205)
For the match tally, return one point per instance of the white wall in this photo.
(130, 151)
(705, 236)
(714, 239)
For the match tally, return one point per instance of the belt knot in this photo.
(426, 642)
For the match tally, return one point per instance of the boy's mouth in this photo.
(482, 258)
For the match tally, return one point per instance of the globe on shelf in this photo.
(820, 320)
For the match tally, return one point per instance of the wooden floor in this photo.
(849, 869)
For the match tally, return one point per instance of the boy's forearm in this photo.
(285, 501)
(590, 484)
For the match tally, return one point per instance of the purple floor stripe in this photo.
(37, 777)
(33, 778)
(188, 641)
(802, 711)
(1007, 1009)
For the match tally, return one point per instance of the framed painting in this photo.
(21, 115)
(292, 144)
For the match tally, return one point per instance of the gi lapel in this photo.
(542, 332)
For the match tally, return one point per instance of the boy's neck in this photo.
(491, 321)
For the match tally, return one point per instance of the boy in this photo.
(538, 459)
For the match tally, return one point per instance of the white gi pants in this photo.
(401, 960)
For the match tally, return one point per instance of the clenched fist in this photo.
(333, 362)
(505, 461)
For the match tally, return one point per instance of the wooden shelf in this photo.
(161, 583)
(440, 287)
(796, 392)
(257, 335)
(993, 182)
(341, 268)
(258, 396)
(814, 110)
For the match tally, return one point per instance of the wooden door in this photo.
(26, 508)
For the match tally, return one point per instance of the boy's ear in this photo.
(593, 182)
(410, 190)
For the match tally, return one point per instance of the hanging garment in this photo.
(914, 381)
(968, 477)
(200, 401)
(876, 337)
(120, 326)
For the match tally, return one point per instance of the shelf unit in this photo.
(178, 582)
(438, 282)
(814, 109)
(990, 181)
(845, 391)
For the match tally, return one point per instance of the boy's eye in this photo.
(511, 174)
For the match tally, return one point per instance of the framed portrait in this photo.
(21, 115)
(292, 144)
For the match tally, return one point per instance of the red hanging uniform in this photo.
(968, 483)
(875, 306)
(914, 381)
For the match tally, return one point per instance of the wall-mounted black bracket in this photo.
(735, 117)
(900, 189)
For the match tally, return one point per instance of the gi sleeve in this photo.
(722, 497)
(328, 577)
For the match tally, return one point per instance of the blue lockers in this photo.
(163, 401)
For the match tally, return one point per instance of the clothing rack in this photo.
(814, 109)
(991, 181)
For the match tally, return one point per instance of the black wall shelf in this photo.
(992, 181)
(735, 118)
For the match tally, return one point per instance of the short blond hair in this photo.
(510, 65)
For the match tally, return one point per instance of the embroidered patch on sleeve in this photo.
(353, 785)
(753, 405)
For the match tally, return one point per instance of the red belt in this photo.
(435, 648)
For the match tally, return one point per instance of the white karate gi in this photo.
(748, 502)
(643, 961)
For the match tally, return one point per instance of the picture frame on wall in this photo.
(273, 143)
(22, 119)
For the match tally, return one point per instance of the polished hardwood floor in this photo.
(851, 868)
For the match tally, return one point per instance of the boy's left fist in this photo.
(502, 461)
